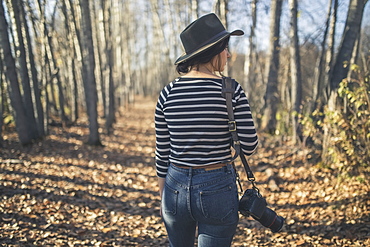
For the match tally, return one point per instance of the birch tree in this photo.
(250, 64)
(295, 70)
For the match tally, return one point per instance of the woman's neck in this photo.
(200, 74)
(202, 71)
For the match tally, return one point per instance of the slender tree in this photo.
(38, 29)
(295, 70)
(111, 109)
(20, 43)
(74, 37)
(319, 83)
(21, 121)
(100, 52)
(34, 75)
(70, 63)
(250, 65)
(220, 8)
(351, 32)
(89, 76)
(161, 71)
(1, 100)
(51, 62)
(271, 96)
(342, 62)
(194, 9)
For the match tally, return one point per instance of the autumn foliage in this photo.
(62, 192)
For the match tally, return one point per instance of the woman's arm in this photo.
(161, 185)
(245, 125)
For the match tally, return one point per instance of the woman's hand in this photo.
(161, 182)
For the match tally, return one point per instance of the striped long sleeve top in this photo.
(191, 124)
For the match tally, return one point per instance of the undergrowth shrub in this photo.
(346, 129)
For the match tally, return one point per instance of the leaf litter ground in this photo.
(61, 192)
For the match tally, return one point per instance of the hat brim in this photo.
(185, 56)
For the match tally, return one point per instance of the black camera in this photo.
(253, 204)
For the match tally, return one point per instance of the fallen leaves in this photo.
(60, 192)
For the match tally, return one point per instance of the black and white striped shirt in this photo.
(191, 124)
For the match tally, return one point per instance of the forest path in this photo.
(60, 192)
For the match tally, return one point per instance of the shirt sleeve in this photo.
(162, 151)
(244, 121)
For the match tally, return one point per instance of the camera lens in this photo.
(271, 220)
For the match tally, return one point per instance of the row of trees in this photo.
(32, 70)
(61, 58)
(318, 68)
(301, 95)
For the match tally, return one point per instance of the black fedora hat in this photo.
(202, 34)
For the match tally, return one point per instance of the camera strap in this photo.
(228, 90)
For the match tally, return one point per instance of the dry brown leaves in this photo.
(60, 192)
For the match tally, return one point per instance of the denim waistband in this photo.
(227, 167)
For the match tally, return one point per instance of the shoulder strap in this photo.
(228, 90)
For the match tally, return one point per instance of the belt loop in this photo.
(227, 167)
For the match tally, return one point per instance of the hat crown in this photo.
(202, 34)
(202, 31)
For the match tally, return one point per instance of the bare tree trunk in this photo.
(70, 63)
(89, 70)
(160, 72)
(285, 90)
(109, 66)
(220, 8)
(19, 21)
(54, 69)
(329, 60)
(1, 98)
(194, 9)
(75, 40)
(56, 72)
(296, 77)
(38, 27)
(271, 97)
(21, 120)
(119, 27)
(45, 65)
(34, 75)
(126, 30)
(319, 82)
(350, 35)
(250, 64)
(100, 47)
(339, 72)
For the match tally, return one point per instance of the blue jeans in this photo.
(198, 198)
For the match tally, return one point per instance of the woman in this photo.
(197, 180)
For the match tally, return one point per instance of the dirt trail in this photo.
(60, 192)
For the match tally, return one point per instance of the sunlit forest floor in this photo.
(60, 192)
